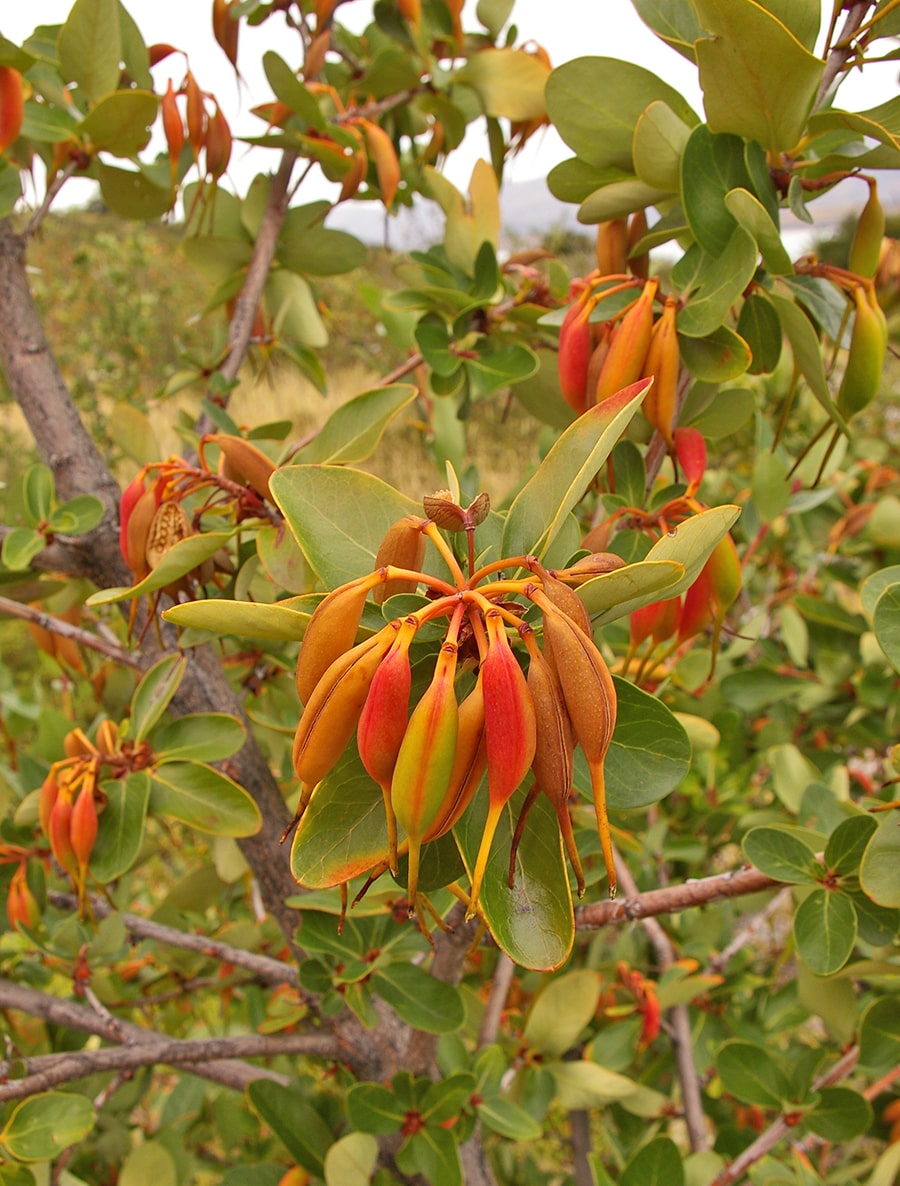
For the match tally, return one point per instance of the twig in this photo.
(776, 1132)
(749, 930)
(842, 51)
(493, 1010)
(49, 197)
(680, 1020)
(27, 613)
(673, 898)
(49, 1070)
(263, 967)
(67, 1015)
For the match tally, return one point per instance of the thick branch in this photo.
(68, 1015)
(673, 898)
(16, 609)
(50, 1070)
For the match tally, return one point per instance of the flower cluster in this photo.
(537, 692)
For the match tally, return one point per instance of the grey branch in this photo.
(27, 613)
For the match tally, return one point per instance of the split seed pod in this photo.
(331, 631)
(403, 546)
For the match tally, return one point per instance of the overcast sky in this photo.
(566, 28)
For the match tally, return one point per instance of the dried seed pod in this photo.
(330, 632)
(173, 128)
(403, 546)
(612, 238)
(217, 145)
(168, 527)
(226, 30)
(242, 462)
(597, 564)
(590, 699)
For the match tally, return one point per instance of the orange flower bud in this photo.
(22, 909)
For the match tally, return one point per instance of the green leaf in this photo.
(131, 193)
(716, 358)
(619, 199)
(840, 1115)
(617, 593)
(339, 516)
(419, 999)
(154, 693)
(204, 799)
(753, 216)
(886, 623)
(20, 546)
(879, 1035)
(833, 998)
(120, 123)
(41, 1127)
(10, 188)
(847, 843)
(284, 563)
(649, 755)
(759, 326)
(434, 1153)
(77, 516)
(90, 47)
(182, 558)
(584, 1084)
(532, 922)
(120, 830)
(297, 1124)
(880, 862)
(758, 80)
(433, 339)
(659, 141)
(343, 832)
(873, 586)
(199, 737)
(711, 167)
(673, 21)
(781, 855)
(887, 1168)
(495, 368)
(38, 493)
(351, 1160)
(825, 930)
(878, 925)
(540, 507)
(246, 619)
(749, 1073)
(353, 431)
(148, 1162)
(657, 1163)
(318, 250)
(502, 1116)
(374, 1108)
(291, 91)
(770, 486)
(561, 1011)
(292, 305)
(595, 103)
(717, 283)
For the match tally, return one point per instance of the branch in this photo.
(76, 1017)
(50, 1070)
(842, 51)
(16, 609)
(749, 930)
(776, 1132)
(263, 968)
(493, 1010)
(673, 898)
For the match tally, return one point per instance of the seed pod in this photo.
(690, 452)
(333, 709)
(659, 620)
(83, 825)
(77, 744)
(638, 265)
(382, 724)
(424, 764)
(663, 364)
(47, 799)
(628, 348)
(12, 106)
(196, 115)
(590, 699)
(510, 735)
(242, 462)
(865, 250)
(597, 564)
(217, 145)
(387, 166)
(567, 600)
(137, 510)
(574, 355)
(469, 763)
(107, 736)
(169, 526)
(553, 755)
(173, 128)
(226, 30)
(611, 246)
(712, 594)
(22, 909)
(865, 358)
(403, 546)
(59, 832)
(330, 632)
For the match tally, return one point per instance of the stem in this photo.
(842, 50)
(27, 613)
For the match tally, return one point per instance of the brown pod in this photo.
(403, 546)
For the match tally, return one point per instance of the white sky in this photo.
(566, 28)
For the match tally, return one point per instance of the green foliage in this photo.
(722, 533)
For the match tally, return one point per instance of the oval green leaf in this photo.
(561, 1011)
(880, 862)
(199, 737)
(40, 1128)
(825, 930)
(246, 619)
(154, 693)
(204, 799)
(352, 432)
(419, 999)
(120, 830)
(781, 855)
(750, 1074)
